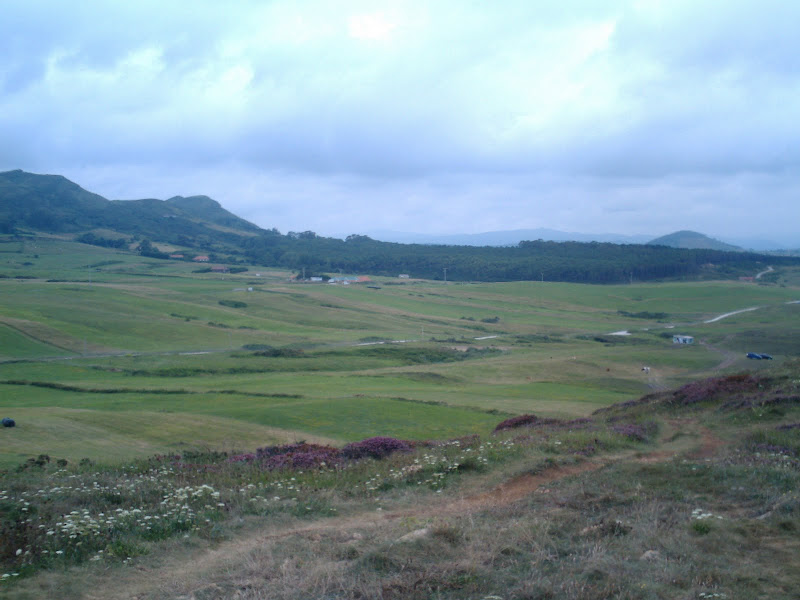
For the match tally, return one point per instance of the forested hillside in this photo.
(531, 260)
(31, 204)
(53, 204)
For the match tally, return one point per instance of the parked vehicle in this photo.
(766, 357)
(754, 356)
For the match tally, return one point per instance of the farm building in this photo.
(682, 339)
(347, 280)
(201, 258)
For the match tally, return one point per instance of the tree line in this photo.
(578, 262)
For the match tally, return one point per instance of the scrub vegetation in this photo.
(674, 494)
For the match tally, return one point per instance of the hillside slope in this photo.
(52, 203)
(692, 240)
(690, 493)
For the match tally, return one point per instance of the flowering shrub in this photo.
(638, 433)
(465, 441)
(297, 456)
(520, 421)
(432, 468)
(775, 449)
(39, 529)
(708, 389)
(376, 447)
(534, 421)
(242, 458)
(788, 426)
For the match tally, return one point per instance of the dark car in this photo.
(754, 356)
(766, 357)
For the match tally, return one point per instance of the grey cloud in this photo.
(541, 114)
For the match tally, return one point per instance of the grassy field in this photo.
(141, 390)
(95, 342)
(688, 493)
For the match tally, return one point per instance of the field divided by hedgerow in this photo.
(686, 493)
(90, 329)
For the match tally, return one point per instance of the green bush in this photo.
(233, 303)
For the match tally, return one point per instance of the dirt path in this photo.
(178, 575)
(655, 381)
(174, 573)
(730, 314)
(709, 446)
(729, 358)
(769, 270)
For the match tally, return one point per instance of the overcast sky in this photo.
(629, 116)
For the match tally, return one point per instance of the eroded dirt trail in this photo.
(728, 357)
(175, 576)
(519, 487)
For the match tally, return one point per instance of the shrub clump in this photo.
(233, 303)
(519, 421)
(280, 353)
(375, 447)
(709, 389)
(788, 426)
(637, 433)
(534, 421)
(302, 455)
(297, 456)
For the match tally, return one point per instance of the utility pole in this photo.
(445, 274)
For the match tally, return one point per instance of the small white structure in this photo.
(682, 339)
(403, 276)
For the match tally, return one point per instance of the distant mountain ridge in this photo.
(505, 238)
(32, 204)
(693, 240)
(513, 237)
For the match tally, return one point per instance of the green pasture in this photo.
(772, 329)
(14, 345)
(150, 354)
(73, 425)
(115, 436)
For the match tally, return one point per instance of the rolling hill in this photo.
(32, 204)
(693, 240)
(54, 204)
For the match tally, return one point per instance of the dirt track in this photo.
(174, 575)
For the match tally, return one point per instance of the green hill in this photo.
(53, 204)
(692, 240)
